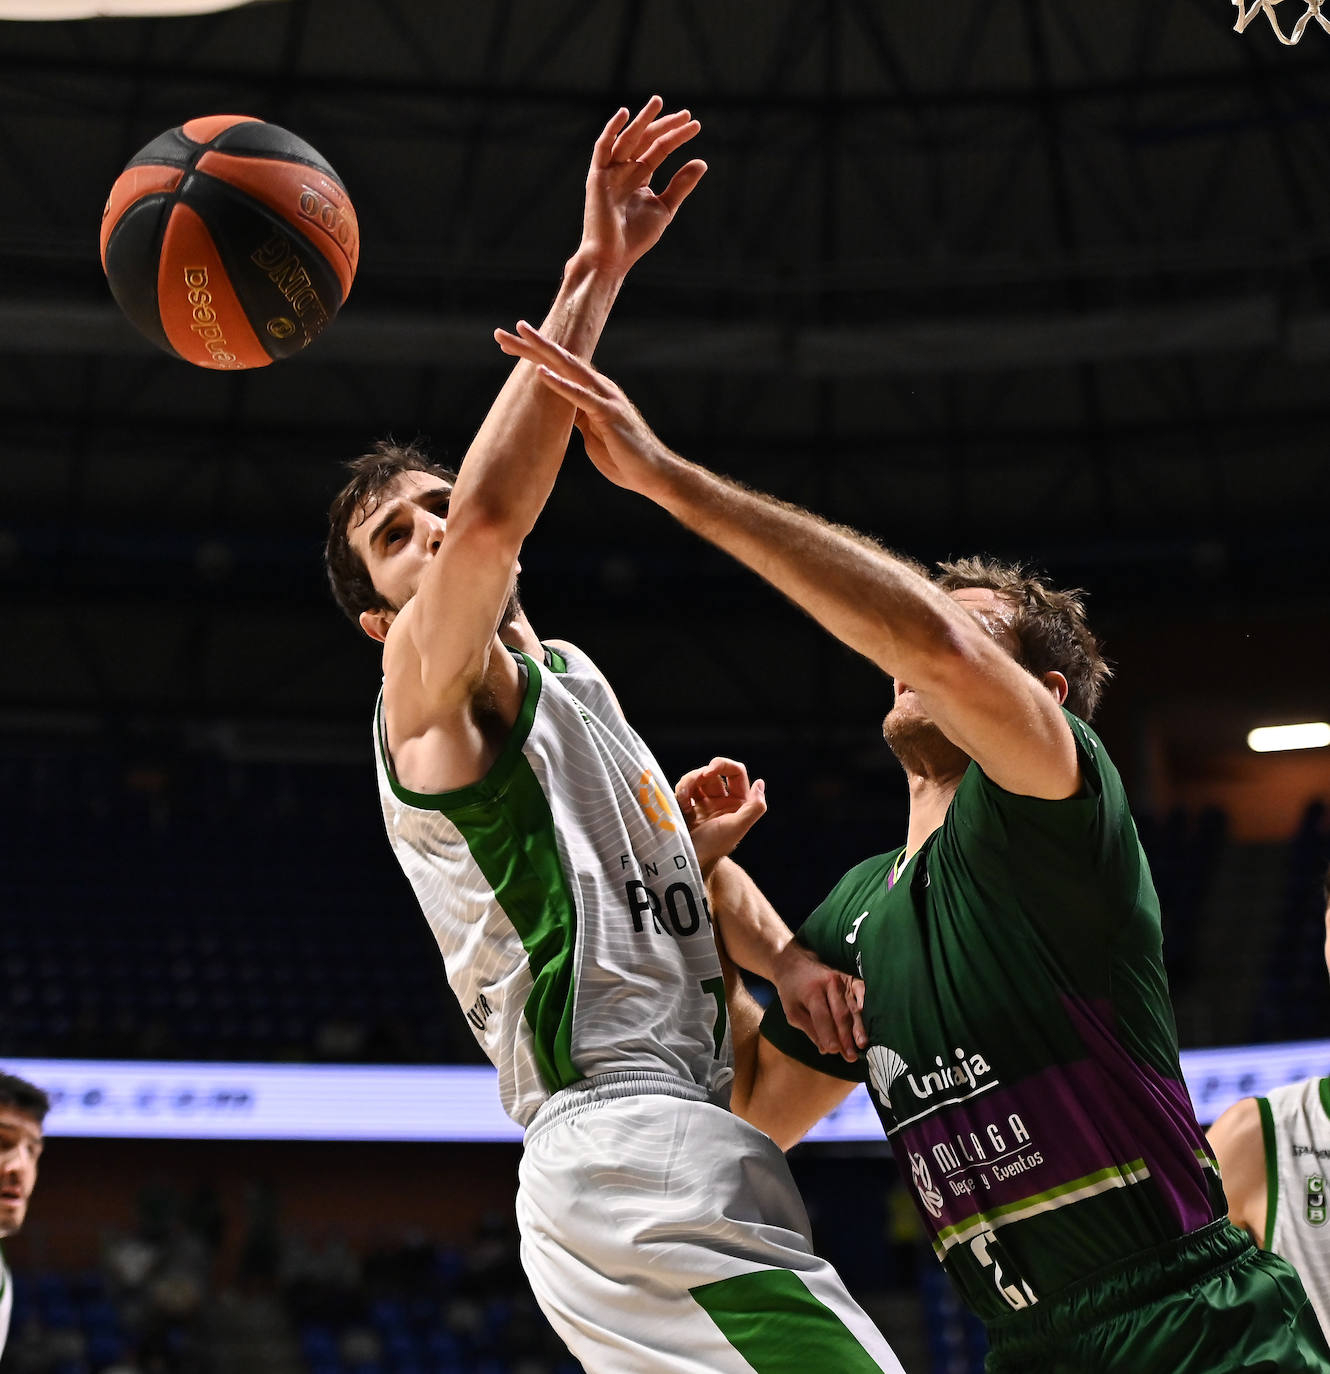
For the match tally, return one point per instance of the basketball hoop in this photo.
(1249, 9)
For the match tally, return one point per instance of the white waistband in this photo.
(605, 1087)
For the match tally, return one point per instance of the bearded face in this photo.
(921, 748)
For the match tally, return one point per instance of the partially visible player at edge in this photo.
(1275, 1154)
(23, 1109)
(659, 1232)
(1021, 1046)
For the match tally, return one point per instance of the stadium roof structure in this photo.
(1044, 279)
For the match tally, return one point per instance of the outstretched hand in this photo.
(618, 440)
(623, 216)
(720, 807)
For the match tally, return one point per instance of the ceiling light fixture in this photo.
(1267, 739)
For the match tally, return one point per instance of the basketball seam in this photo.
(263, 155)
(271, 212)
(159, 238)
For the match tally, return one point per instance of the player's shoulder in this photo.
(1237, 1119)
(1087, 740)
(561, 655)
(1300, 1094)
(864, 876)
(567, 661)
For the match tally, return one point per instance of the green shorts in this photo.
(1209, 1303)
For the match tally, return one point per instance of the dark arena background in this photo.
(1040, 279)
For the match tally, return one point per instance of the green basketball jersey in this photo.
(1023, 1055)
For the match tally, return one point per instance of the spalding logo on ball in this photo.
(229, 242)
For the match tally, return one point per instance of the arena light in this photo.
(113, 9)
(1269, 739)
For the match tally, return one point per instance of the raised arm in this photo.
(878, 604)
(439, 649)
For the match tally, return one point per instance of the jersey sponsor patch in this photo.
(1315, 1200)
(885, 1066)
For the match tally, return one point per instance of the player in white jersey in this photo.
(1274, 1152)
(559, 875)
(23, 1108)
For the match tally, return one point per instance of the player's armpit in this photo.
(1239, 1145)
(785, 1098)
(437, 740)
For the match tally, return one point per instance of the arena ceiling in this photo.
(1032, 276)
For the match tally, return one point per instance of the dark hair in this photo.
(371, 475)
(1049, 625)
(23, 1097)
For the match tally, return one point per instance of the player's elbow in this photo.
(943, 658)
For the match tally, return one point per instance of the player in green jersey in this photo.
(23, 1108)
(1020, 1044)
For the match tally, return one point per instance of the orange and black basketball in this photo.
(229, 242)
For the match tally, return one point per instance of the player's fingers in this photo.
(686, 787)
(570, 391)
(658, 128)
(630, 140)
(842, 1017)
(721, 778)
(666, 121)
(734, 773)
(666, 142)
(603, 152)
(585, 401)
(539, 349)
(823, 1029)
(534, 347)
(682, 184)
(752, 811)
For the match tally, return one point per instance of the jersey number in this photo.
(984, 1247)
(715, 987)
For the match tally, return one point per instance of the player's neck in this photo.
(929, 799)
(518, 634)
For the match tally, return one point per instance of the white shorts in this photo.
(662, 1233)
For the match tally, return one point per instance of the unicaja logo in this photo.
(885, 1066)
(964, 1072)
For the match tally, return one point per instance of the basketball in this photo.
(229, 242)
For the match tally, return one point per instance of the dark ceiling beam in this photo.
(1247, 432)
(976, 344)
(19, 78)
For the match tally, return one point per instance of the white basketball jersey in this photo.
(566, 899)
(6, 1302)
(1295, 1121)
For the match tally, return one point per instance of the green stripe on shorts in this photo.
(779, 1327)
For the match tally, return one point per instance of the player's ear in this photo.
(376, 623)
(1057, 684)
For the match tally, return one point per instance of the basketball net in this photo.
(1249, 9)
